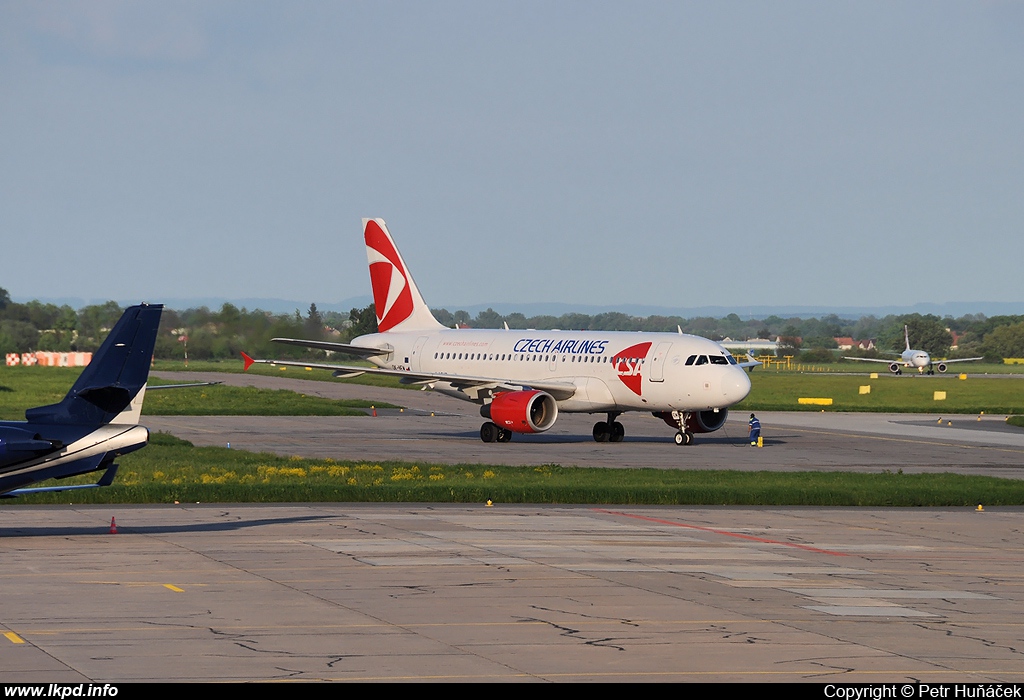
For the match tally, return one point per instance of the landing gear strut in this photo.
(683, 436)
(610, 431)
(489, 432)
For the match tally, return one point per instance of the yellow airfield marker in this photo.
(874, 375)
(172, 587)
(979, 509)
(15, 639)
(939, 396)
(865, 389)
(815, 401)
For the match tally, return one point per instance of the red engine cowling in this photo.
(699, 421)
(522, 411)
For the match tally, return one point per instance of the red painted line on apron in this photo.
(741, 536)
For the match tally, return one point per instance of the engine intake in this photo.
(522, 411)
(698, 421)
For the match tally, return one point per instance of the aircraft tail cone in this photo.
(113, 526)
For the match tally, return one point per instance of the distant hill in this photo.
(952, 308)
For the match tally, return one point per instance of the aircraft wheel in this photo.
(489, 432)
(504, 435)
(689, 437)
(680, 438)
(601, 431)
(617, 432)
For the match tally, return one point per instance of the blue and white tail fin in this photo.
(111, 388)
(396, 299)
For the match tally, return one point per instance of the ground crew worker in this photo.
(754, 426)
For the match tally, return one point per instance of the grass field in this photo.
(172, 470)
(235, 367)
(772, 391)
(24, 387)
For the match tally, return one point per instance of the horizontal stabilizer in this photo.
(359, 350)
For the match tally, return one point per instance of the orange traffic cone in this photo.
(374, 409)
(113, 526)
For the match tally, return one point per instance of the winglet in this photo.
(248, 361)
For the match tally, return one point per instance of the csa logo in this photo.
(629, 364)
(392, 299)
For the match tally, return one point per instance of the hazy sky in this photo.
(670, 153)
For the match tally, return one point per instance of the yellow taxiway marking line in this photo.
(171, 586)
(15, 639)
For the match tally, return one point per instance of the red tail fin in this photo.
(248, 361)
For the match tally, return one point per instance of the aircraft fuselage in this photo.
(613, 371)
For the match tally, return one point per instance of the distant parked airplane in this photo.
(522, 379)
(913, 358)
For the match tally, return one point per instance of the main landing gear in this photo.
(610, 431)
(490, 432)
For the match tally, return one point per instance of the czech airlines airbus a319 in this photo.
(523, 379)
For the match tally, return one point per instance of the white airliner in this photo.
(919, 359)
(522, 379)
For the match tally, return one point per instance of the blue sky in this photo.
(669, 153)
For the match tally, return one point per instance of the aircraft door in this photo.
(417, 350)
(658, 362)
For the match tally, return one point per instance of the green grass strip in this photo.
(888, 394)
(172, 470)
(24, 387)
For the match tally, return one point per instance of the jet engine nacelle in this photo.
(707, 421)
(698, 421)
(17, 444)
(894, 368)
(522, 411)
(941, 367)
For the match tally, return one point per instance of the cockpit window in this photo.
(732, 360)
(690, 359)
(702, 360)
(718, 360)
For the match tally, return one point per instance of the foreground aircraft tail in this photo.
(396, 299)
(115, 378)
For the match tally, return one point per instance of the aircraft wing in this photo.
(873, 359)
(962, 359)
(360, 350)
(469, 384)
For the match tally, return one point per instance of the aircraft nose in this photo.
(736, 386)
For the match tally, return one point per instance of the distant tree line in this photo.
(223, 333)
